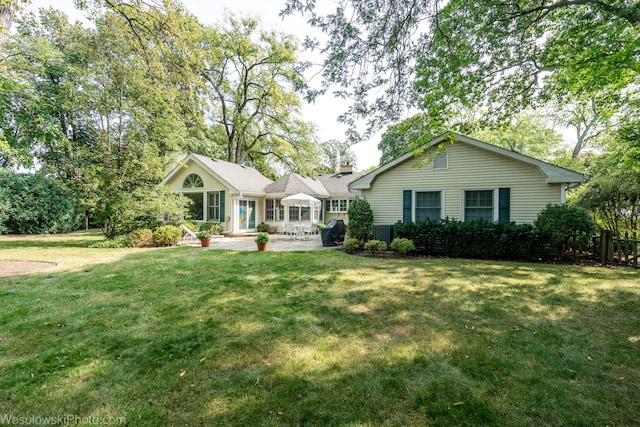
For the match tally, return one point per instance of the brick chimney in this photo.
(346, 168)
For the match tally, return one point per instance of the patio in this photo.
(277, 243)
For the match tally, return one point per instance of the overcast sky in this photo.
(323, 112)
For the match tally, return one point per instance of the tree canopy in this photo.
(105, 109)
(612, 191)
(503, 56)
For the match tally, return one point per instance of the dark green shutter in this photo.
(407, 199)
(504, 203)
(222, 216)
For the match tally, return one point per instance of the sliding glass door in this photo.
(246, 215)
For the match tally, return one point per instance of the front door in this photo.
(246, 215)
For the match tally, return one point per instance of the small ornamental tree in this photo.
(360, 219)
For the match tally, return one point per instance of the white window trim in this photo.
(414, 199)
(236, 217)
(277, 205)
(496, 202)
(331, 210)
(206, 208)
(202, 191)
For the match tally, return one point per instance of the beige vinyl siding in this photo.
(470, 168)
(210, 184)
(336, 215)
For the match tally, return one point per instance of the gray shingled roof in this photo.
(244, 179)
(294, 183)
(338, 184)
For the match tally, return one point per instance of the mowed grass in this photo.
(183, 336)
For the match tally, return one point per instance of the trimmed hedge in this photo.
(475, 239)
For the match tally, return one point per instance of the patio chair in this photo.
(309, 229)
(288, 229)
(188, 234)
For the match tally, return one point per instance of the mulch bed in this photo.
(15, 268)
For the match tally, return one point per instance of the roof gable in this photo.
(554, 174)
(293, 183)
(238, 178)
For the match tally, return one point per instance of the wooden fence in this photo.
(616, 249)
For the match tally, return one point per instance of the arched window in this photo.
(192, 181)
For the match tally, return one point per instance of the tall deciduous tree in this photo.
(612, 191)
(96, 110)
(41, 96)
(526, 133)
(252, 78)
(8, 9)
(406, 136)
(335, 154)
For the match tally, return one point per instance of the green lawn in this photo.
(183, 336)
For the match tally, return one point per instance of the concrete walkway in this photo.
(277, 243)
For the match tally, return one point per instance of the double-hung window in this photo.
(274, 210)
(213, 206)
(428, 205)
(479, 205)
(294, 214)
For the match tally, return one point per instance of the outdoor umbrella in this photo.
(301, 200)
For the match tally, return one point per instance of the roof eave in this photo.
(554, 174)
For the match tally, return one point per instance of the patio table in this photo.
(300, 232)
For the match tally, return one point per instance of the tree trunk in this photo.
(6, 17)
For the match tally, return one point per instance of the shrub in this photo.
(567, 227)
(113, 243)
(167, 235)
(121, 212)
(189, 224)
(360, 219)
(351, 245)
(34, 204)
(262, 227)
(4, 209)
(402, 245)
(211, 227)
(375, 246)
(140, 238)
